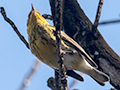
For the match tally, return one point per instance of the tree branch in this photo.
(58, 24)
(98, 13)
(109, 22)
(29, 76)
(13, 26)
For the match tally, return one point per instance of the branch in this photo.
(72, 84)
(13, 26)
(30, 75)
(109, 22)
(98, 13)
(58, 24)
(78, 26)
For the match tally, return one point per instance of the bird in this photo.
(42, 43)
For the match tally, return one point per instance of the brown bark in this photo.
(58, 25)
(77, 25)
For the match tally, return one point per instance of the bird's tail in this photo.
(99, 76)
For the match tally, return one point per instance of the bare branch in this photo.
(98, 13)
(13, 26)
(58, 24)
(30, 75)
(109, 22)
(72, 84)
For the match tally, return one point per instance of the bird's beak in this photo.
(32, 7)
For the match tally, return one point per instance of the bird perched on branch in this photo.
(42, 44)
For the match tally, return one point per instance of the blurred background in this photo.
(16, 60)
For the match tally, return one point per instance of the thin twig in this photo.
(109, 22)
(58, 24)
(72, 84)
(98, 13)
(74, 81)
(30, 75)
(13, 26)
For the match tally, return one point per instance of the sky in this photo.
(16, 60)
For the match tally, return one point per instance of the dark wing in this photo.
(69, 41)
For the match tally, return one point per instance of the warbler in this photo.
(42, 43)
